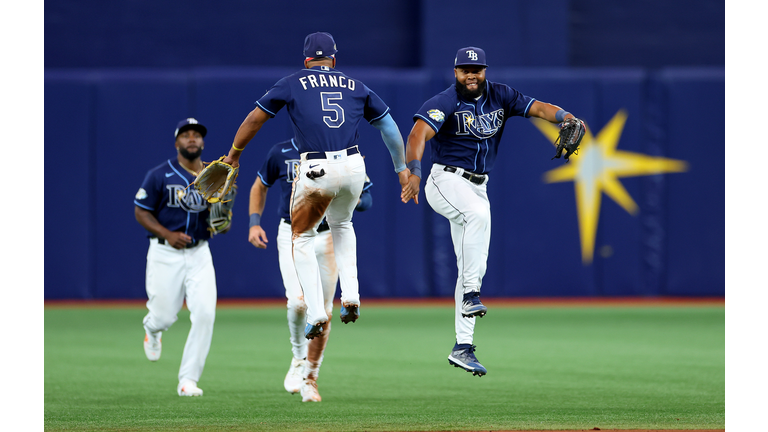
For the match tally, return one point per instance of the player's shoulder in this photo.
(165, 166)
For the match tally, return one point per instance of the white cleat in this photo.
(188, 388)
(153, 345)
(293, 378)
(309, 391)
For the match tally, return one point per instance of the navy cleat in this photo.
(349, 313)
(463, 356)
(471, 305)
(310, 331)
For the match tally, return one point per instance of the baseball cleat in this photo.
(463, 356)
(310, 331)
(471, 305)
(153, 345)
(188, 388)
(309, 391)
(349, 313)
(294, 377)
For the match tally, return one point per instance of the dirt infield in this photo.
(443, 301)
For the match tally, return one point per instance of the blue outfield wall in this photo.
(108, 127)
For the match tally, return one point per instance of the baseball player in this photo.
(465, 123)
(179, 264)
(325, 107)
(281, 167)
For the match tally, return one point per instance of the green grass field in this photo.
(549, 368)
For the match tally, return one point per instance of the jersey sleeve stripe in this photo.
(381, 116)
(264, 182)
(271, 114)
(426, 120)
(143, 206)
(527, 108)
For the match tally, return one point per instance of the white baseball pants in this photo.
(467, 208)
(329, 274)
(335, 195)
(172, 276)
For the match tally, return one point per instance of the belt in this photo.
(474, 178)
(323, 225)
(195, 243)
(321, 155)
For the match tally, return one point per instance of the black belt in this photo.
(474, 178)
(321, 155)
(195, 243)
(323, 225)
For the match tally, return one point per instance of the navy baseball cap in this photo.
(470, 56)
(190, 123)
(320, 44)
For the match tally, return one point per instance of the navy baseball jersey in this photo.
(159, 195)
(325, 107)
(467, 132)
(281, 166)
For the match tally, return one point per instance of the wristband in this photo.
(238, 149)
(255, 220)
(560, 115)
(415, 167)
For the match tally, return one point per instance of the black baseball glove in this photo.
(571, 133)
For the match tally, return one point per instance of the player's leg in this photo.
(351, 175)
(466, 205)
(165, 293)
(329, 275)
(297, 310)
(311, 198)
(200, 287)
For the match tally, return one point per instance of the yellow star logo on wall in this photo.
(597, 168)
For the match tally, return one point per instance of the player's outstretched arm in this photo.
(245, 133)
(390, 133)
(414, 151)
(256, 234)
(548, 112)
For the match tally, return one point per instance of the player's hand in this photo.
(411, 189)
(228, 159)
(178, 240)
(258, 237)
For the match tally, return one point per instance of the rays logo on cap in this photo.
(472, 55)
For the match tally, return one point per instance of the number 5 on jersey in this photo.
(326, 99)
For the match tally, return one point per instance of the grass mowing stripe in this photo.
(549, 368)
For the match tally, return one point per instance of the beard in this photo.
(190, 155)
(470, 94)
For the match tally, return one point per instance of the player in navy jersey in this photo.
(325, 106)
(179, 263)
(464, 125)
(280, 169)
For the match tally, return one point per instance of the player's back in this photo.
(325, 106)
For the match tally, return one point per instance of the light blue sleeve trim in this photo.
(525, 113)
(380, 117)
(264, 182)
(265, 110)
(143, 206)
(427, 120)
(394, 141)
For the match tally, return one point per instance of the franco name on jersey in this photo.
(327, 80)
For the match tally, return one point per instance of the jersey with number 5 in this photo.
(325, 107)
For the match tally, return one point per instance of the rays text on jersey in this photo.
(483, 126)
